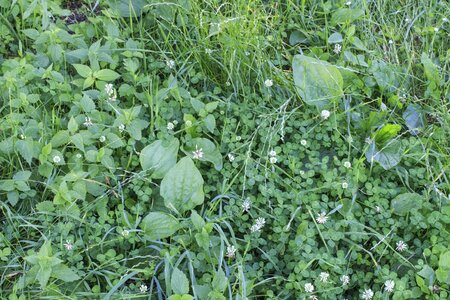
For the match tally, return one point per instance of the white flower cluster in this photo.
(231, 251)
(260, 222)
(198, 153)
(246, 205)
(273, 157)
(111, 92)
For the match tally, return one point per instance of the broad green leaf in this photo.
(346, 15)
(158, 225)
(428, 273)
(414, 118)
(159, 157)
(443, 272)
(386, 133)
(432, 74)
(388, 156)
(82, 70)
(179, 282)
(72, 126)
(297, 37)
(197, 220)
(25, 148)
(87, 104)
(335, 38)
(387, 76)
(210, 151)
(64, 273)
(114, 141)
(60, 138)
(43, 275)
(220, 281)
(317, 81)
(106, 75)
(210, 123)
(182, 187)
(88, 82)
(127, 8)
(404, 203)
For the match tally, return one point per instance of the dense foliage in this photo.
(224, 150)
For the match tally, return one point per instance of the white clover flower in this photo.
(325, 114)
(260, 222)
(389, 286)
(143, 288)
(170, 126)
(231, 251)
(268, 83)
(68, 245)
(407, 20)
(436, 29)
(273, 160)
(401, 246)
(87, 122)
(208, 51)
(344, 185)
(238, 138)
(323, 276)
(22, 136)
(272, 153)
(56, 159)
(313, 297)
(247, 53)
(102, 139)
(246, 205)
(347, 164)
(377, 209)
(230, 157)
(337, 48)
(78, 155)
(170, 63)
(188, 123)
(322, 218)
(198, 153)
(383, 106)
(121, 127)
(390, 42)
(303, 142)
(309, 288)
(445, 20)
(109, 89)
(348, 3)
(125, 233)
(367, 294)
(345, 280)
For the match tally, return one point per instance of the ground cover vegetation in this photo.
(212, 149)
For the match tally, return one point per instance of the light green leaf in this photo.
(159, 157)
(335, 38)
(157, 225)
(388, 156)
(106, 75)
(210, 123)
(404, 203)
(82, 70)
(220, 281)
(64, 273)
(60, 138)
(197, 220)
(127, 8)
(346, 15)
(182, 186)
(179, 282)
(317, 81)
(87, 104)
(210, 151)
(25, 148)
(72, 125)
(414, 118)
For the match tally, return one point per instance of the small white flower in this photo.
(121, 127)
(322, 218)
(227, 83)
(170, 126)
(337, 48)
(367, 294)
(78, 155)
(345, 280)
(188, 123)
(389, 286)
(22, 136)
(273, 160)
(303, 142)
(313, 297)
(401, 246)
(268, 83)
(102, 139)
(246, 205)
(309, 288)
(208, 51)
(198, 153)
(323, 276)
(143, 288)
(445, 20)
(347, 164)
(348, 3)
(238, 138)
(325, 114)
(272, 153)
(231, 157)
(170, 63)
(407, 20)
(344, 185)
(302, 172)
(87, 122)
(68, 245)
(383, 106)
(231, 251)
(109, 89)
(378, 209)
(436, 29)
(260, 222)
(247, 53)
(391, 42)
(369, 141)
(56, 159)
(125, 233)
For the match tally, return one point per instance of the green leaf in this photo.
(432, 74)
(87, 104)
(72, 126)
(386, 133)
(388, 156)
(202, 239)
(413, 118)
(387, 76)
(335, 38)
(182, 187)
(404, 203)
(43, 275)
(197, 220)
(60, 138)
(25, 148)
(64, 273)
(159, 157)
(157, 225)
(443, 272)
(210, 123)
(114, 141)
(82, 70)
(297, 37)
(88, 82)
(220, 281)
(179, 282)
(317, 81)
(106, 75)
(127, 8)
(346, 15)
(210, 151)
